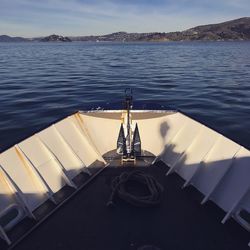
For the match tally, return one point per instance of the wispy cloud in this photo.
(83, 17)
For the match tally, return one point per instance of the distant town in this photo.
(234, 30)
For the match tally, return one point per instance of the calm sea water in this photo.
(42, 82)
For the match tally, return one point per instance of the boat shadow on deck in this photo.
(179, 222)
(85, 222)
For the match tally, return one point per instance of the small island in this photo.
(55, 38)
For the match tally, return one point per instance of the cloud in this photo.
(84, 17)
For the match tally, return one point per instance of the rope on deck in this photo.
(120, 188)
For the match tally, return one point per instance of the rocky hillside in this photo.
(123, 37)
(55, 38)
(238, 29)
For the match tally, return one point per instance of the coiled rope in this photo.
(120, 188)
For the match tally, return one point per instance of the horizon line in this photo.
(166, 32)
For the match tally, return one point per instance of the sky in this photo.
(34, 18)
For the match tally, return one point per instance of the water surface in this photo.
(42, 82)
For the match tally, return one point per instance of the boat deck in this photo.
(179, 222)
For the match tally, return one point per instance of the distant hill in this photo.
(238, 29)
(55, 38)
(235, 30)
(122, 37)
(5, 38)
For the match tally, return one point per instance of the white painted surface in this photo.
(183, 139)
(7, 194)
(62, 151)
(78, 142)
(23, 176)
(193, 156)
(44, 162)
(235, 183)
(157, 133)
(103, 132)
(215, 164)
